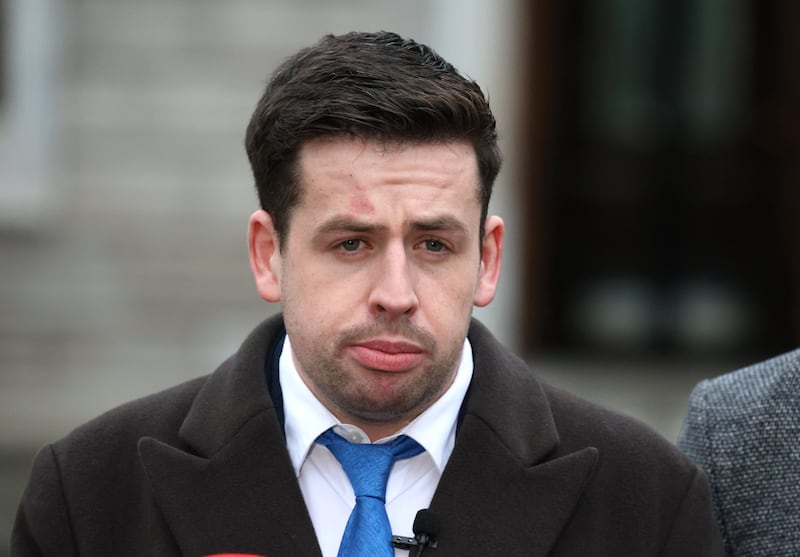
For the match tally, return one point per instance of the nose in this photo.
(393, 290)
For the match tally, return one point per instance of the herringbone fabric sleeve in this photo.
(743, 429)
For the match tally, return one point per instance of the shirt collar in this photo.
(307, 418)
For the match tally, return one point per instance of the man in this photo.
(743, 429)
(374, 162)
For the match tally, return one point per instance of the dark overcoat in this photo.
(202, 468)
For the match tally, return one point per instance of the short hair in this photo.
(375, 86)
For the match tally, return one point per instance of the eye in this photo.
(351, 244)
(434, 245)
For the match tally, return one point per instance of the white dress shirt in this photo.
(325, 486)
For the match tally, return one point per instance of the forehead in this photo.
(335, 162)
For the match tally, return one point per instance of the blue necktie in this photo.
(368, 533)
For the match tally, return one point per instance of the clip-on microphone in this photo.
(426, 529)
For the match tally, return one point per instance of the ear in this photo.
(491, 258)
(265, 255)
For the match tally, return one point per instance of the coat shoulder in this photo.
(641, 479)
(742, 429)
(96, 466)
(108, 443)
(751, 387)
(624, 440)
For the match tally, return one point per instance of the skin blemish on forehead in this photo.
(361, 204)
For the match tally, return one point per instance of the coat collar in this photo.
(506, 486)
(227, 489)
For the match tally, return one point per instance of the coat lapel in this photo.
(506, 485)
(226, 489)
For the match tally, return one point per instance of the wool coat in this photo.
(743, 428)
(202, 468)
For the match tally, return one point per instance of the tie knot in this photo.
(367, 465)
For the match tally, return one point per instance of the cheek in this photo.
(311, 305)
(450, 298)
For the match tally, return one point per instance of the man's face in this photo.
(378, 273)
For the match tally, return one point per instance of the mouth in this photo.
(388, 356)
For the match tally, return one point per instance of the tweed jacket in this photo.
(743, 428)
(203, 469)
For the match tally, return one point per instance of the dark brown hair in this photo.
(375, 86)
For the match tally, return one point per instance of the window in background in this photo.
(667, 171)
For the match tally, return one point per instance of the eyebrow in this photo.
(443, 222)
(340, 224)
(431, 224)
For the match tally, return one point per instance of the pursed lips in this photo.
(388, 355)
